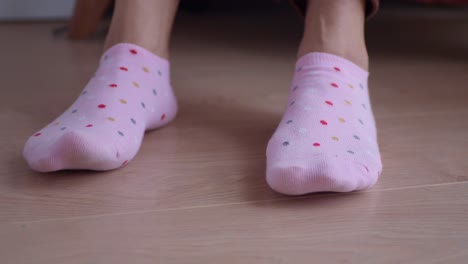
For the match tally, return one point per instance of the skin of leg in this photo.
(336, 27)
(146, 23)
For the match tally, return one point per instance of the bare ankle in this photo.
(358, 56)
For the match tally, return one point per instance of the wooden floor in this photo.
(196, 191)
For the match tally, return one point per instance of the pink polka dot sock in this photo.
(103, 129)
(327, 138)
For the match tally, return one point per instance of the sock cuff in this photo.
(327, 59)
(134, 50)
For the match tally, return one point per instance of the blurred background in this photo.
(17, 10)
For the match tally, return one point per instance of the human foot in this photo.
(327, 138)
(103, 129)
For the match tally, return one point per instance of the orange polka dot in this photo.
(136, 84)
(342, 120)
(145, 70)
(111, 119)
(123, 101)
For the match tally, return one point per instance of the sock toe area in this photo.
(74, 150)
(321, 174)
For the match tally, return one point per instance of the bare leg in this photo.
(145, 23)
(336, 27)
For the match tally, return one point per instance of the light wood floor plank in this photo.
(419, 225)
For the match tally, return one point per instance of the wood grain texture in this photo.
(196, 192)
(414, 225)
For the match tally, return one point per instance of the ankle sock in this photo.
(327, 138)
(103, 129)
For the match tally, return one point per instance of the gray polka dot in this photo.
(350, 152)
(63, 128)
(292, 103)
(295, 88)
(154, 92)
(362, 86)
(286, 143)
(143, 105)
(84, 92)
(74, 111)
(360, 121)
(159, 73)
(364, 106)
(356, 137)
(299, 69)
(106, 57)
(289, 122)
(120, 133)
(133, 121)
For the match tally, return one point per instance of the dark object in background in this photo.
(88, 14)
(443, 2)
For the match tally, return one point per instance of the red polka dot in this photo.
(102, 106)
(125, 163)
(163, 116)
(337, 69)
(134, 52)
(316, 144)
(90, 125)
(328, 102)
(334, 85)
(112, 85)
(123, 69)
(37, 134)
(323, 122)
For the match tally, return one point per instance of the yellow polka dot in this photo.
(335, 138)
(136, 84)
(350, 86)
(111, 119)
(342, 120)
(56, 123)
(145, 70)
(123, 101)
(348, 102)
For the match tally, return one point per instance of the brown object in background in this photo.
(86, 17)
